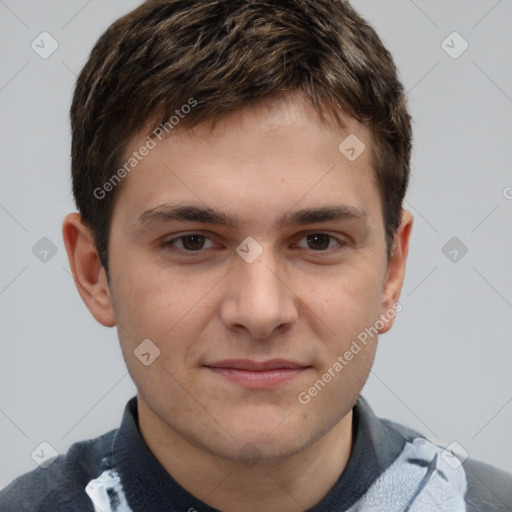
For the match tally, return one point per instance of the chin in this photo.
(270, 438)
(251, 452)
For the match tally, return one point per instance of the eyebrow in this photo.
(166, 213)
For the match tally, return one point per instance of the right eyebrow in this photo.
(166, 213)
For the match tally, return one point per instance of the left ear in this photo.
(396, 271)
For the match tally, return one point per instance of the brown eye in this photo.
(193, 242)
(318, 241)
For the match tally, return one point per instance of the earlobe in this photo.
(396, 272)
(88, 272)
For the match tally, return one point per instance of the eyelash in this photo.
(170, 243)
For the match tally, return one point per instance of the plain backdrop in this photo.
(444, 369)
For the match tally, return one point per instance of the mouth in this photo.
(257, 374)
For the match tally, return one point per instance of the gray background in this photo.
(444, 369)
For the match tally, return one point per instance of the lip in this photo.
(248, 364)
(257, 374)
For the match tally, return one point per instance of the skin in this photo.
(295, 301)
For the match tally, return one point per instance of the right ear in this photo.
(88, 272)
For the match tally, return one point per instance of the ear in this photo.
(88, 272)
(396, 272)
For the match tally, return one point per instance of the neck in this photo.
(295, 484)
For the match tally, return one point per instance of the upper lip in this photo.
(247, 364)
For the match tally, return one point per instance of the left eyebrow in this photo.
(324, 214)
(166, 213)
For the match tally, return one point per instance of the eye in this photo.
(321, 241)
(192, 242)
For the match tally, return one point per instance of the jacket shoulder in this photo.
(61, 486)
(489, 488)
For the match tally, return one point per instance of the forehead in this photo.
(277, 153)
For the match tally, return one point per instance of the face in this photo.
(252, 256)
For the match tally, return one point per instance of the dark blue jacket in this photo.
(392, 468)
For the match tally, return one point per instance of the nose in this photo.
(259, 299)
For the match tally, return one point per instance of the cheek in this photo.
(165, 306)
(346, 301)
(147, 298)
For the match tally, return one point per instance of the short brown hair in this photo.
(227, 54)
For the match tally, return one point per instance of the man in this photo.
(239, 169)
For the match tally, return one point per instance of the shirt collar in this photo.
(148, 486)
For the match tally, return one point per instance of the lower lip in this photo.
(258, 379)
